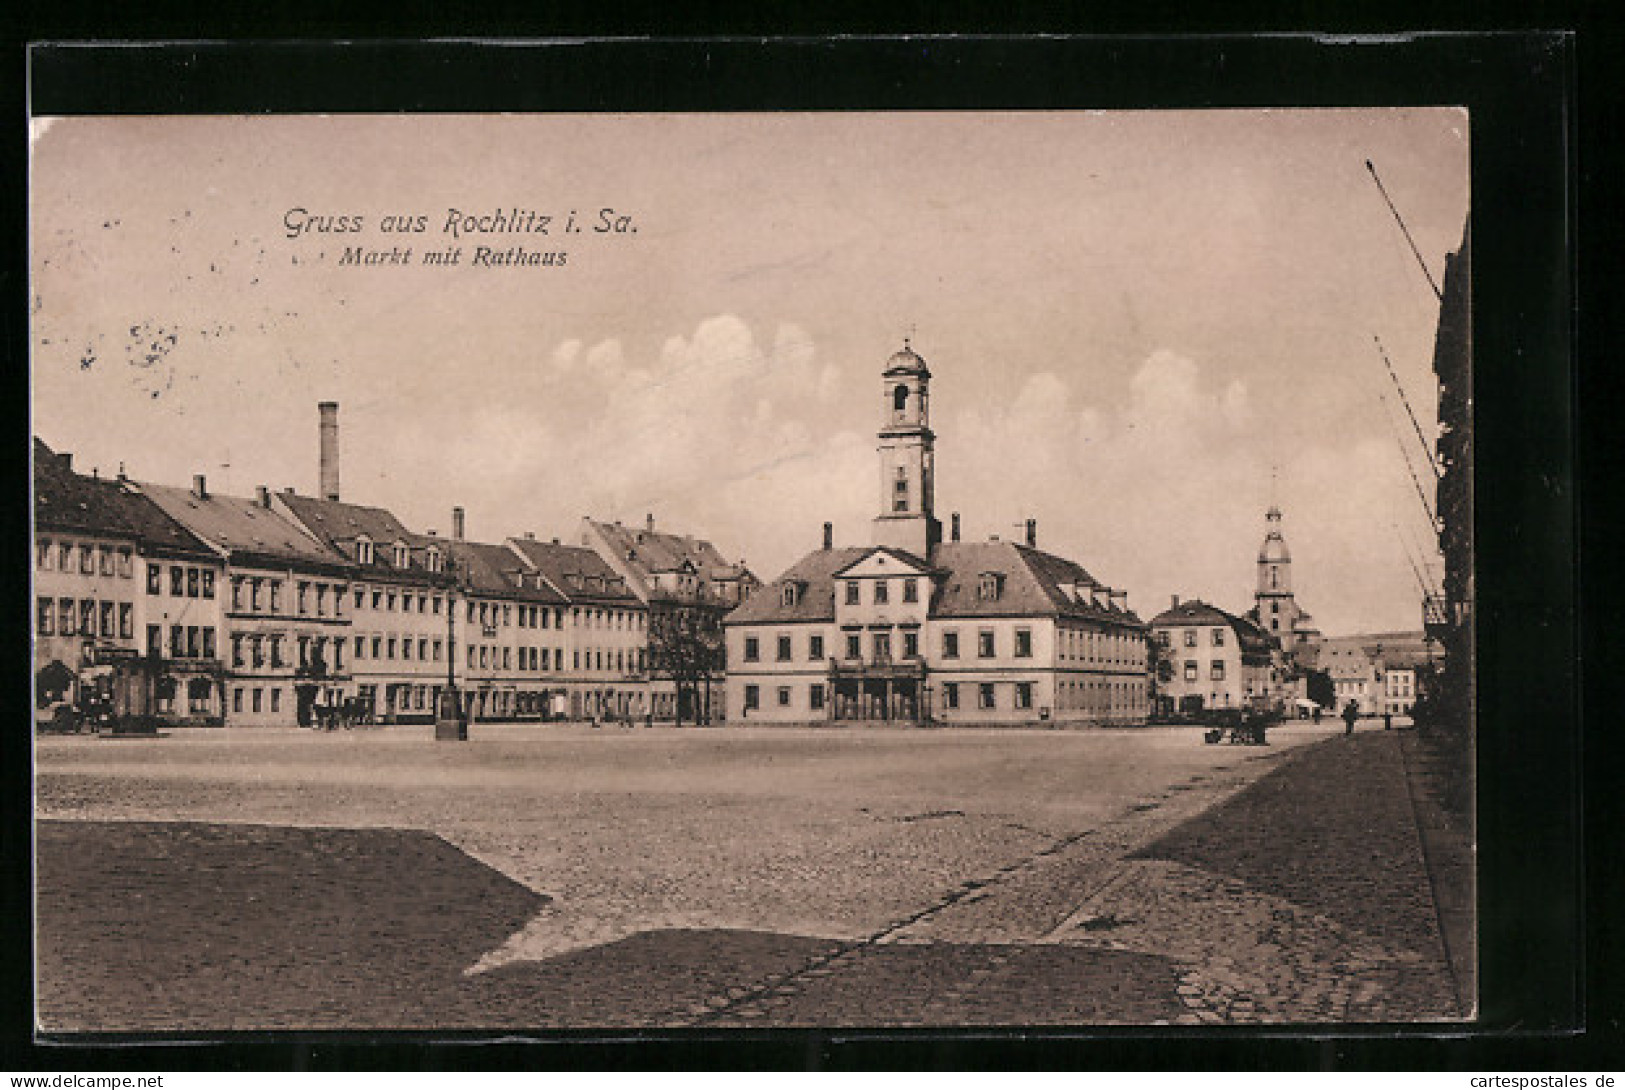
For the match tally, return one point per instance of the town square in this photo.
(760, 618)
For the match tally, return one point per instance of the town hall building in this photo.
(916, 629)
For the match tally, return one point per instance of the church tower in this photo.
(1277, 608)
(907, 518)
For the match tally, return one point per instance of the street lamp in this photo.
(450, 724)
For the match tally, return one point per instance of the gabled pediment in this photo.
(881, 562)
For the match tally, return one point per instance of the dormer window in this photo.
(787, 596)
(991, 586)
(363, 550)
(433, 559)
(402, 555)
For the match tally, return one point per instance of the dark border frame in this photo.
(1520, 91)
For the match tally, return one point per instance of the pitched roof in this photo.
(495, 571)
(815, 574)
(1034, 584)
(65, 500)
(578, 572)
(1197, 612)
(244, 529)
(340, 526)
(654, 551)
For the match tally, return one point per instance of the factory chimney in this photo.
(329, 428)
(956, 527)
(200, 486)
(1032, 533)
(829, 536)
(457, 524)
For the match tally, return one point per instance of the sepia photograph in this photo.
(719, 571)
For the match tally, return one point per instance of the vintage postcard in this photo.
(711, 571)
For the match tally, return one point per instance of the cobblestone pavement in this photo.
(1200, 890)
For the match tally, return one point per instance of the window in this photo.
(363, 552)
(753, 698)
(237, 700)
(177, 581)
(851, 592)
(126, 620)
(787, 595)
(107, 615)
(66, 615)
(389, 649)
(258, 698)
(950, 645)
(193, 583)
(984, 643)
(208, 643)
(1024, 695)
(1216, 670)
(276, 700)
(950, 695)
(1218, 637)
(899, 399)
(304, 597)
(1190, 637)
(899, 501)
(1190, 671)
(46, 623)
(784, 696)
(207, 580)
(46, 554)
(87, 617)
(784, 649)
(882, 646)
(436, 647)
(406, 649)
(1275, 607)
(911, 590)
(87, 560)
(177, 641)
(882, 592)
(155, 580)
(155, 642)
(854, 648)
(423, 648)
(402, 555)
(990, 586)
(1024, 643)
(1164, 638)
(911, 645)
(815, 648)
(321, 599)
(815, 697)
(276, 595)
(984, 695)
(126, 563)
(753, 649)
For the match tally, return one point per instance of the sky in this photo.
(1144, 327)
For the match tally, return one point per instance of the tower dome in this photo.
(906, 362)
(1274, 548)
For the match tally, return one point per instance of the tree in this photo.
(685, 645)
(1319, 688)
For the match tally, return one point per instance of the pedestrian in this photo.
(1317, 713)
(1350, 714)
(1387, 720)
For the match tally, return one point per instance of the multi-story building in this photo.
(687, 588)
(399, 604)
(916, 629)
(1380, 671)
(122, 589)
(604, 645)
(286, 603)
(1209, 659)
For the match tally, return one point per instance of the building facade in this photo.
(1210, 659)
(917, 629)
(285, 604)
(687, 588)
(123, 594)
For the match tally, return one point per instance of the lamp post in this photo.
(450, 724)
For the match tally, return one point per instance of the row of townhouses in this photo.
(258, 610)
